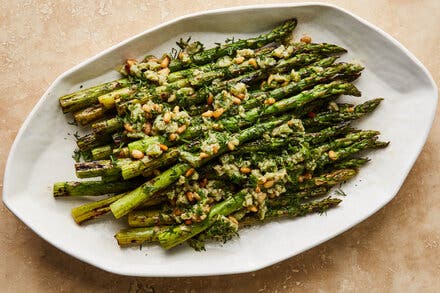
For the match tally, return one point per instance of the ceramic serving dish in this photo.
(41, 153)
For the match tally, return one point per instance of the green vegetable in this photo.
(196, 145)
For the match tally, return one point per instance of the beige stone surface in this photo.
(396, 250)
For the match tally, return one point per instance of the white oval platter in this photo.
(41, 152)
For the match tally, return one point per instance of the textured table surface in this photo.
(397, 249)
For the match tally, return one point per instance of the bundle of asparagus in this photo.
(194, 146)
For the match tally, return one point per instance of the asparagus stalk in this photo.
(275, 144)
(92, 188)
(111, 178)
(87, 97)
(107, 101)
(210, 55)
(149, 218)
(148, 145)
(289, 198)
(108, 126)
(320, 206)
(343, 153)
(145, 165)
(348, 140)
(144, 192)
(102, 152)
(248, 66)
(219, 64)
(89, 114)
(94, 209)
(179, 234)
(344, 114)
(318, 92)
(91, 140)
(127, 167)
(320, 49)
(316, 138)
(99, 168)
(137, 236)
(329, 179)
(294, 88)
(353, 163)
